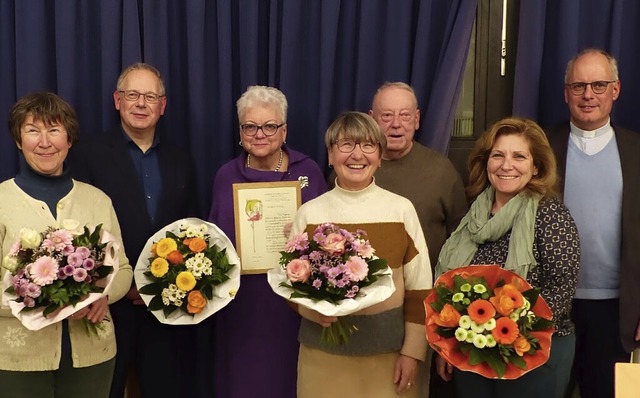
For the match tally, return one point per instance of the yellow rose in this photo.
(166, 246)
(186, 281)
(159, 267)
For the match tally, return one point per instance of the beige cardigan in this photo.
(25, 350)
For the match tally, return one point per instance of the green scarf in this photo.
(478, 227)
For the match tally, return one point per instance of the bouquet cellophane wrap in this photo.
(447, 347)
(373, 294)
(223, 293)
(34, 320)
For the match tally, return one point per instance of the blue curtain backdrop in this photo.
(326, 56)
(552, 31)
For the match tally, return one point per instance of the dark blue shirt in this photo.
(148, 169)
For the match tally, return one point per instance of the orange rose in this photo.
(506, 299)
(521, 345)
(195, 302)
(153, 250)
(175, 257)
(448, 317)
(197, 245)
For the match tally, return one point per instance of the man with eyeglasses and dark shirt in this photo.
(151, 185)
(600, 165)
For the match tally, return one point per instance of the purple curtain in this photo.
(551, 32)
(326, 56)
(75, 49)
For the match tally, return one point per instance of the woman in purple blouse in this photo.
(255, 337)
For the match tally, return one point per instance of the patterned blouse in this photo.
(557, 251)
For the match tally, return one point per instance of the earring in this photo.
(330, 166)
(240, 142)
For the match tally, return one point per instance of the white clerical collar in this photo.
(592, 142)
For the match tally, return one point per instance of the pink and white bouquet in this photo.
(55, 273)
(335, 273)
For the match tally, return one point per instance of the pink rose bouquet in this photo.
(64, 268)
(331, 268)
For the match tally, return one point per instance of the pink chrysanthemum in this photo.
(29, 302)
(83, 251)
(75, 259)
(80, 274)
(44, 270)
(88, 264)
(33, 290)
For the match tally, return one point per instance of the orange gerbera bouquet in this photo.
(490, 321)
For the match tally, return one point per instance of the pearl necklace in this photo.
(277, 166)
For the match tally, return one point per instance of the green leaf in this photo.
(156, 303)
(497, 364)
(152, 288)
(169, 310)
(542, 324)
(531, 295)
(518, 361)
(476, 357)
(49, 309)
(207, 292)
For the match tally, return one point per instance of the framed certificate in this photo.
(261, 211)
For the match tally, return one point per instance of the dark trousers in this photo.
(598, 346)
(65, 382)
(548, 381)
(168, 360)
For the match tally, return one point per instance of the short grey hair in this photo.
(400, 85)
(613, 64)
(140, 66)
(357, 126)
(263, 96)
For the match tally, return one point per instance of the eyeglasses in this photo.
(405, 116)
(598, 87)
(133, 95)
(268, 129)
(346, 145)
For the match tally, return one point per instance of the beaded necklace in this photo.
(277, 166)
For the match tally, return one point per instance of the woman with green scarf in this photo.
(517, 221)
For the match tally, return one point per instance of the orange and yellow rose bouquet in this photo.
(490, 321)
(184, 269)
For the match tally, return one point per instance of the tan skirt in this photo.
(323, 375)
